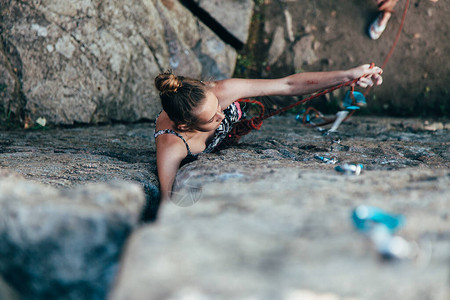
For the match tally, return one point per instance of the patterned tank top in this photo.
(232, 113)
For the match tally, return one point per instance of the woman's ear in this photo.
(183, 127)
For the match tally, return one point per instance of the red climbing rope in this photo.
(397, 37)
(399, 31)
(246, 125)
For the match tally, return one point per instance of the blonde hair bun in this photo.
(168, 83)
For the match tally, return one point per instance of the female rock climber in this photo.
(197, 115)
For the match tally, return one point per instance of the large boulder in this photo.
(65, 160)
(94, 61)
(64, 244)
(287, 233)
(267, 220)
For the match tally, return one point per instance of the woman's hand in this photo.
(368, 76)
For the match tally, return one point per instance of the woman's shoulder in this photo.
(167, 137)
(169, 143)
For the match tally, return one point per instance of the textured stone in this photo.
(234, 15)
(272, 222)
(287, 231)
(264, 219)
(72, 157)
(412, 86)
(9, 85)
(95, 61)
(304, 52)
(59, 244)
(277, 46)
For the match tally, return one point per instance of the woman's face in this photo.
(209, 113)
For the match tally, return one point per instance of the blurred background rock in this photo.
(93, 62)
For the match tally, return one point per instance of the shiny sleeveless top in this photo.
(232, 113)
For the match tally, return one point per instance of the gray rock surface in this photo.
(263, 219)
(60, 244)
(234, 15)
(304, 53)
(277, 46)
(94, 61)
(9, 89)
(272, 222)
(72, 157)
(412, 86)
(69, 159)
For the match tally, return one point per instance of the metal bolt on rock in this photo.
(326, 160)
(349, 168)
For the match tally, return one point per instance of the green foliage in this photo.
(6, 118)
(2, 87)
(244, 64)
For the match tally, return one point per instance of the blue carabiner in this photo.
(366, 217)
(359, 99)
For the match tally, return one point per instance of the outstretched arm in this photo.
(230, 90)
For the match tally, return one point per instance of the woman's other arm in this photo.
(230, 90)
(170, 151)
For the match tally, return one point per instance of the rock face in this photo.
(277, 46)
(272, 222)
(64, 244)
(290, 232)
(412, 86)
(73, 157)
(262, 220)
(304, 52)
(95, 61)
(66, 160)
